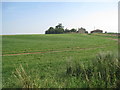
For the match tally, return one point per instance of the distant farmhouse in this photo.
(59, 29)
(97, 31)
(82, 30)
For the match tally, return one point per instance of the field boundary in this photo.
(113, 39)
(77, 49)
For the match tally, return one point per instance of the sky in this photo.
(37, 17)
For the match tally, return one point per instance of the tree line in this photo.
(59, 29)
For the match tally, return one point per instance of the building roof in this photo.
(97, 30)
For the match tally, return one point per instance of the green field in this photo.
(45, 58)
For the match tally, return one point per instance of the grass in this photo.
(33, 43)
(103, 71)
(49, 69)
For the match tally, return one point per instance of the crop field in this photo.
(45, 61)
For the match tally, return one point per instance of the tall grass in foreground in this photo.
(102, 72)
(24, 79)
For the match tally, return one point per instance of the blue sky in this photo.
(37, 17)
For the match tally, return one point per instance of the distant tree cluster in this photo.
(59, 29)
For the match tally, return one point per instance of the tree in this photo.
(57, 30)
(66, 30)
(59, 26)
(73, 30)
(50, 31)
(105, 31)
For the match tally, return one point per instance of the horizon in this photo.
(37, 17)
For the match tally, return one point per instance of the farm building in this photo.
(82, 30)
(97, 31)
